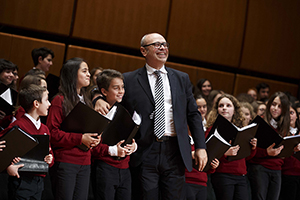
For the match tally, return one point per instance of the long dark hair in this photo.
(283, 122)
(68, 83)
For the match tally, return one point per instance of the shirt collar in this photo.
(37, 123)
(151, 70)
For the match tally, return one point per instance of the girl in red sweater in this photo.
(71, 171)
(290, 187)
(265, 168)
(229, 181)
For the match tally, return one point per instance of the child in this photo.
(195, 187)
(229, 180)
(265, 168)
(113, 179)
(202, 108)
(290, 187)
(42, 58)
(248, 112)
(34, 99)
(71, 171)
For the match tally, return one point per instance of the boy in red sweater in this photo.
(113, 179)
(34, 99)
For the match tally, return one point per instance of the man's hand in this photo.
(200, 158)
(102, 106)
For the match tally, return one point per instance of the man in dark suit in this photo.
(161, 160)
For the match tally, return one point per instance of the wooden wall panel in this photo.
(49, 16)
(219, 80)
(21, 53)
(105, 59)
(243, 83)
(120, 22)
(5, 45)
(272, 42)
(210, 31)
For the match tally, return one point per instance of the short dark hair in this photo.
(37, 52)
(105, 77)
(29, 94)
(7, 65)
(262, 86)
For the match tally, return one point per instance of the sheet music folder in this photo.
(83, 119)
(265, 134)
(18, 143)
(122, 127)
(34, 159)
(12, 96)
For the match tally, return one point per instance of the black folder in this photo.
(242, 139)
(83, 119)
(18, 143)
(215, 148)
(289, 143)
(122, 127)
(265, 134)
(4, 105)
(34, 159)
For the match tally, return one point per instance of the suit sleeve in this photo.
(194, 118)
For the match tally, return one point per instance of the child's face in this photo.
(98, 71)
(201, 103)
(115, 91)
(45, 63)
(43, 83)
(246, 115)
(43, 107)
(275, 108)
(83, 76)
(261, 109)
(7, 76)
(293, 117)
(206, 88)
(226, 108)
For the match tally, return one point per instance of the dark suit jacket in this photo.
(138, 97)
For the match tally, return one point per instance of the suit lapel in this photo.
(173, 85)
(144, 82)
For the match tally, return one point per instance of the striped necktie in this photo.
(159, 116)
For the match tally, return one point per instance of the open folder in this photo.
(18, 143)
(83, 119)
(122, 127)
(8, 99)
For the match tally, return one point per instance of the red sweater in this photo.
(25, 124)
(262, 158)
(101, 153)
(64, 143)
(291, 166)
(20, 112)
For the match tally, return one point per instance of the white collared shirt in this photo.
(169, 122)
(37, 123)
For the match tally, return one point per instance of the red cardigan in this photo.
(64, 143)
(25, 124)
(262, 158)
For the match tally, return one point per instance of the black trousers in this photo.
(70, 181)
(111, 182)
(290, 187)
(194, 192)
(26, 187)
(162, 171)
(229, 187)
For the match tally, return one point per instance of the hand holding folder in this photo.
(18, 143)
(83, 119)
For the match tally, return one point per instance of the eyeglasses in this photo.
(157, 45)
